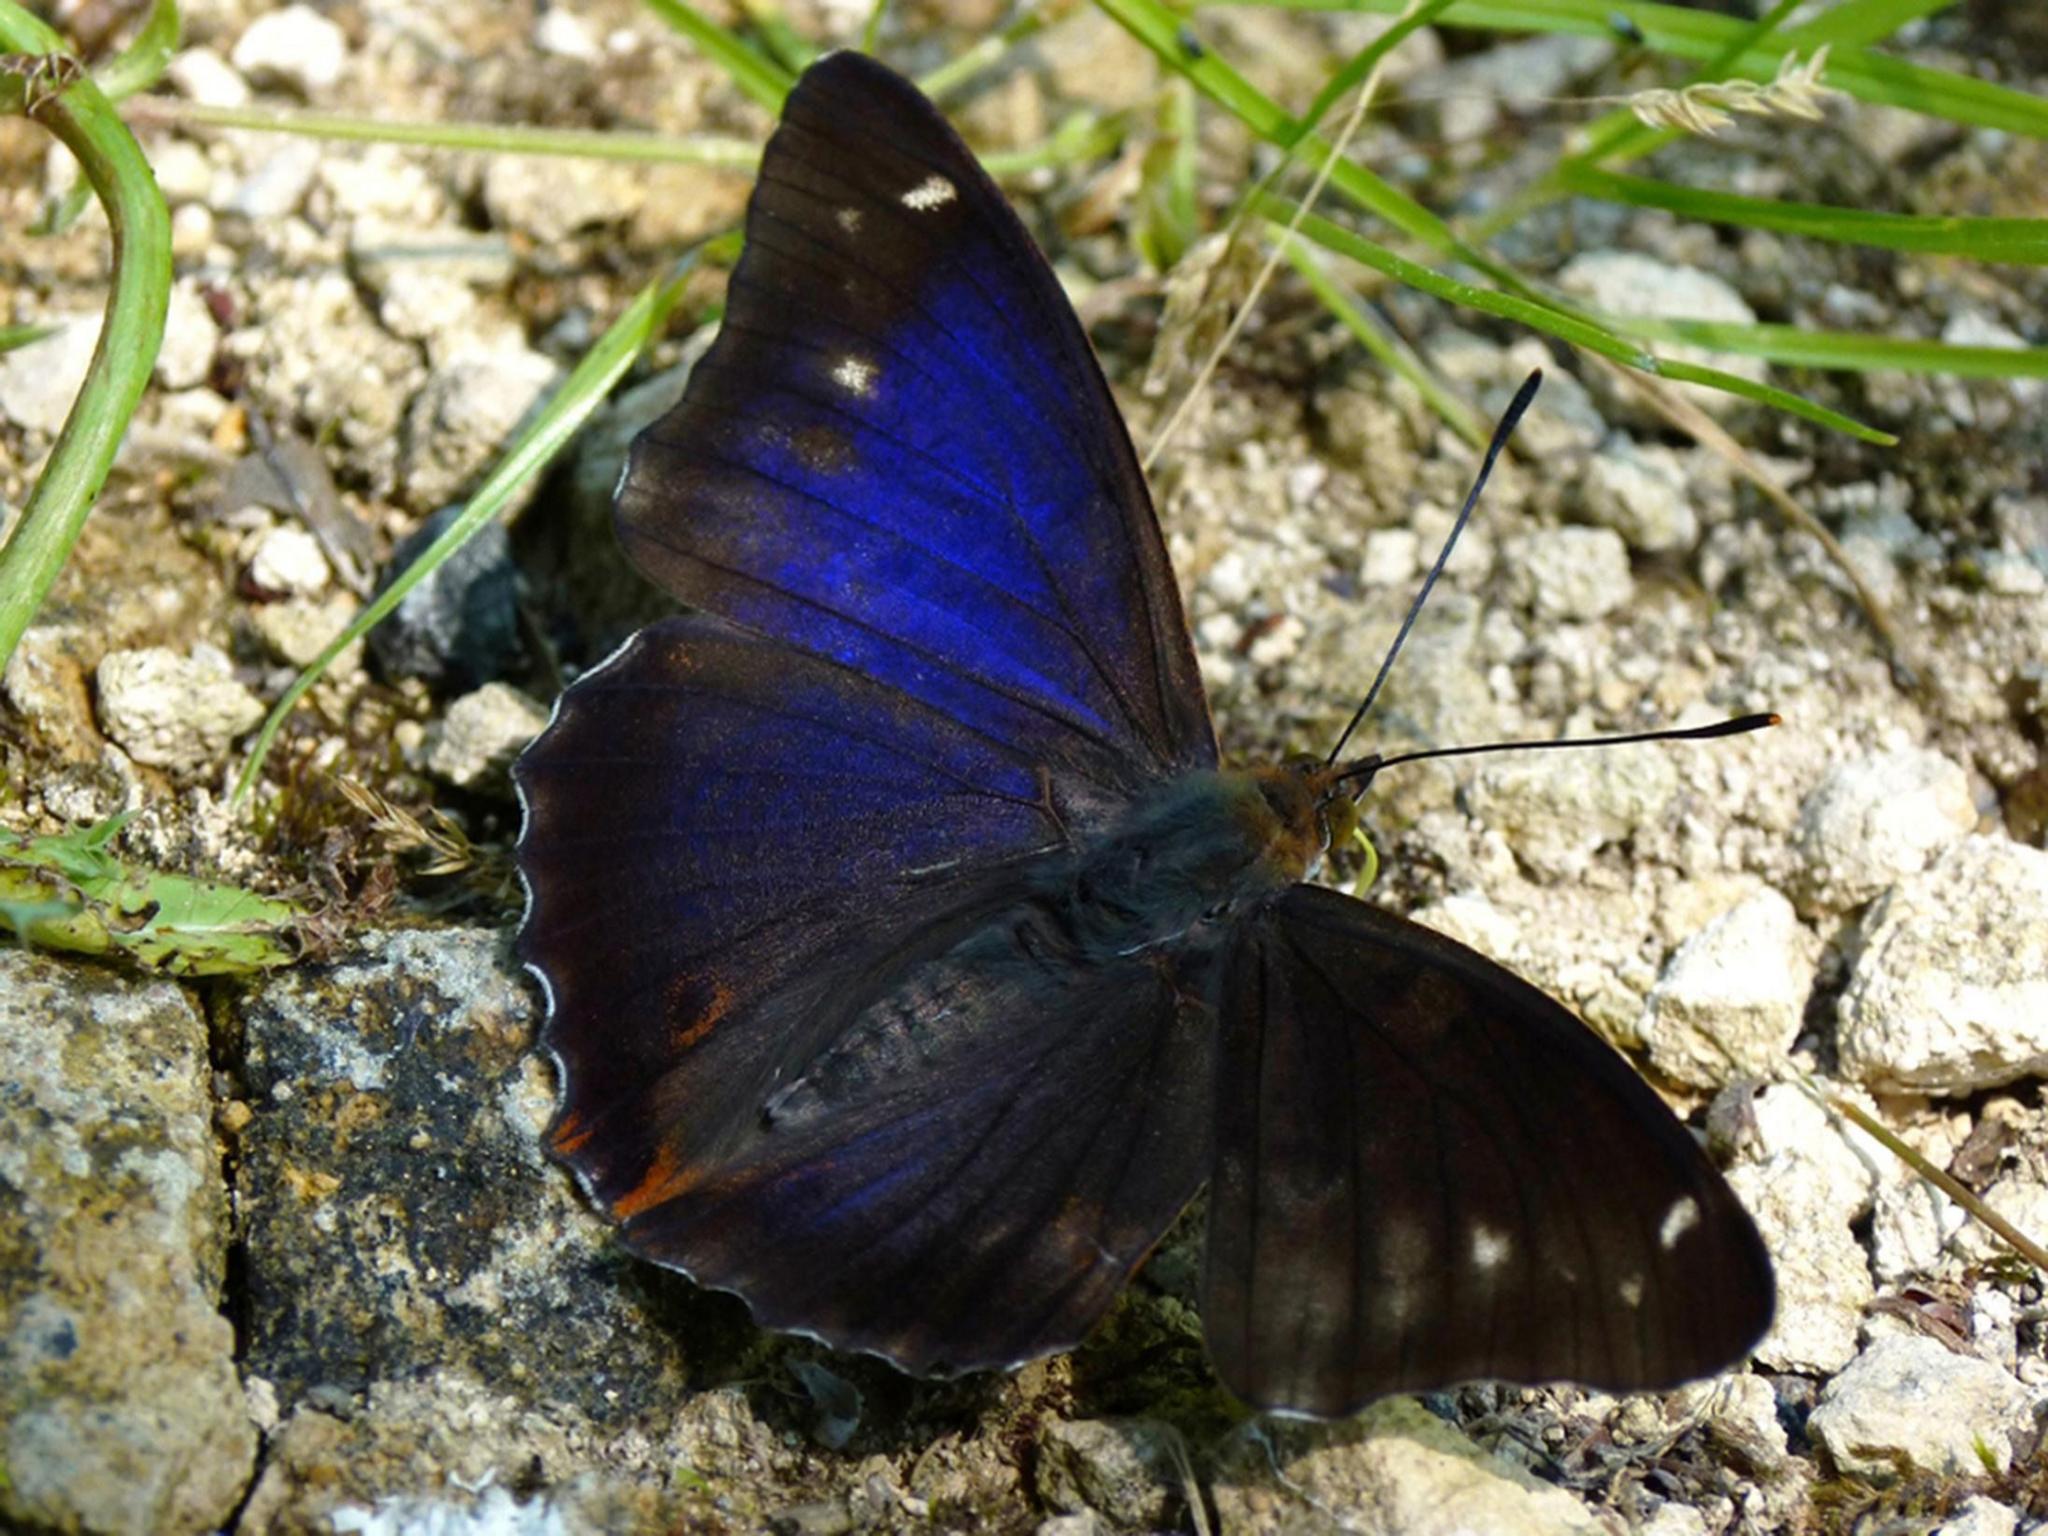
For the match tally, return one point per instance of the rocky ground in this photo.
(284, 1254)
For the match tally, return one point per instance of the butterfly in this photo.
(912, 960)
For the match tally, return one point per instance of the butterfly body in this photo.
(911, 958)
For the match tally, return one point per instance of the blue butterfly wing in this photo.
(787, 856)
(901, 454)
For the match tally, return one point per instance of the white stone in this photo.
(172, 711)
(1569, 573)
(201, 75)
(1948, 990)
(296, 47)
(277, 183)
(39, 382)
(1823, 1277)
(289, 559)
(1876, 819)
(185, 358)
(1557, 809)
(1394, 1468)
(1392, 557)
(1979, 1517)
(561, 32)
(1909, 1400)
(1730, 1002)
(1628, 283)
(1640, 490)
(481, 734)
(464, 417)
(1474, 922)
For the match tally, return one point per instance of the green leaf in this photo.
(69, 892)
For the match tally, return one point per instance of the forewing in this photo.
(1427, 1172)
(901, 454)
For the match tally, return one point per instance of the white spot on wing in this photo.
(849, 220)
(854, 376)
(1683, 1216)
(1631, 1290)
(1490, 1249)
(933, 192)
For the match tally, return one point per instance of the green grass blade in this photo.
(54, 91)
(2008, 240)
(1389, 350)
(1703, 35)
(492, 138)
(761, 78)
(1580, 333)
(1158, 28)
(534, 449)
(144, 61)
(1796, 346)
(12, 336)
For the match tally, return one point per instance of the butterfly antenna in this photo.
(1738, 726)
(1510, 419)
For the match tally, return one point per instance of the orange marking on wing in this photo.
(570, 1135)
(715, 1008)
(665, 1179)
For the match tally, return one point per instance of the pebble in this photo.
(120, 1410)
(276, 183)
(298, 629)
(172, 711)
(460, 625)
(463, 418)
(1392, 558)
(288, 559)
(1948, 987)
(1569, 573)
(296, 48)
(1121, 1468)
(1641, 491)
(1627, 283)
(1556, 810)
(1979, 1516)
(201, 75)
(1875, 820)
(1810, 1180)
(1909, 1402)
(1394, 1468)
(185, 358)
(533, 197)
(1730, 1002)
(472, 747)
(564, 34)
(38, 382)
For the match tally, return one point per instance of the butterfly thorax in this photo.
(1193, 854)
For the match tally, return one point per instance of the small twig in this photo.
(1940, 1178)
